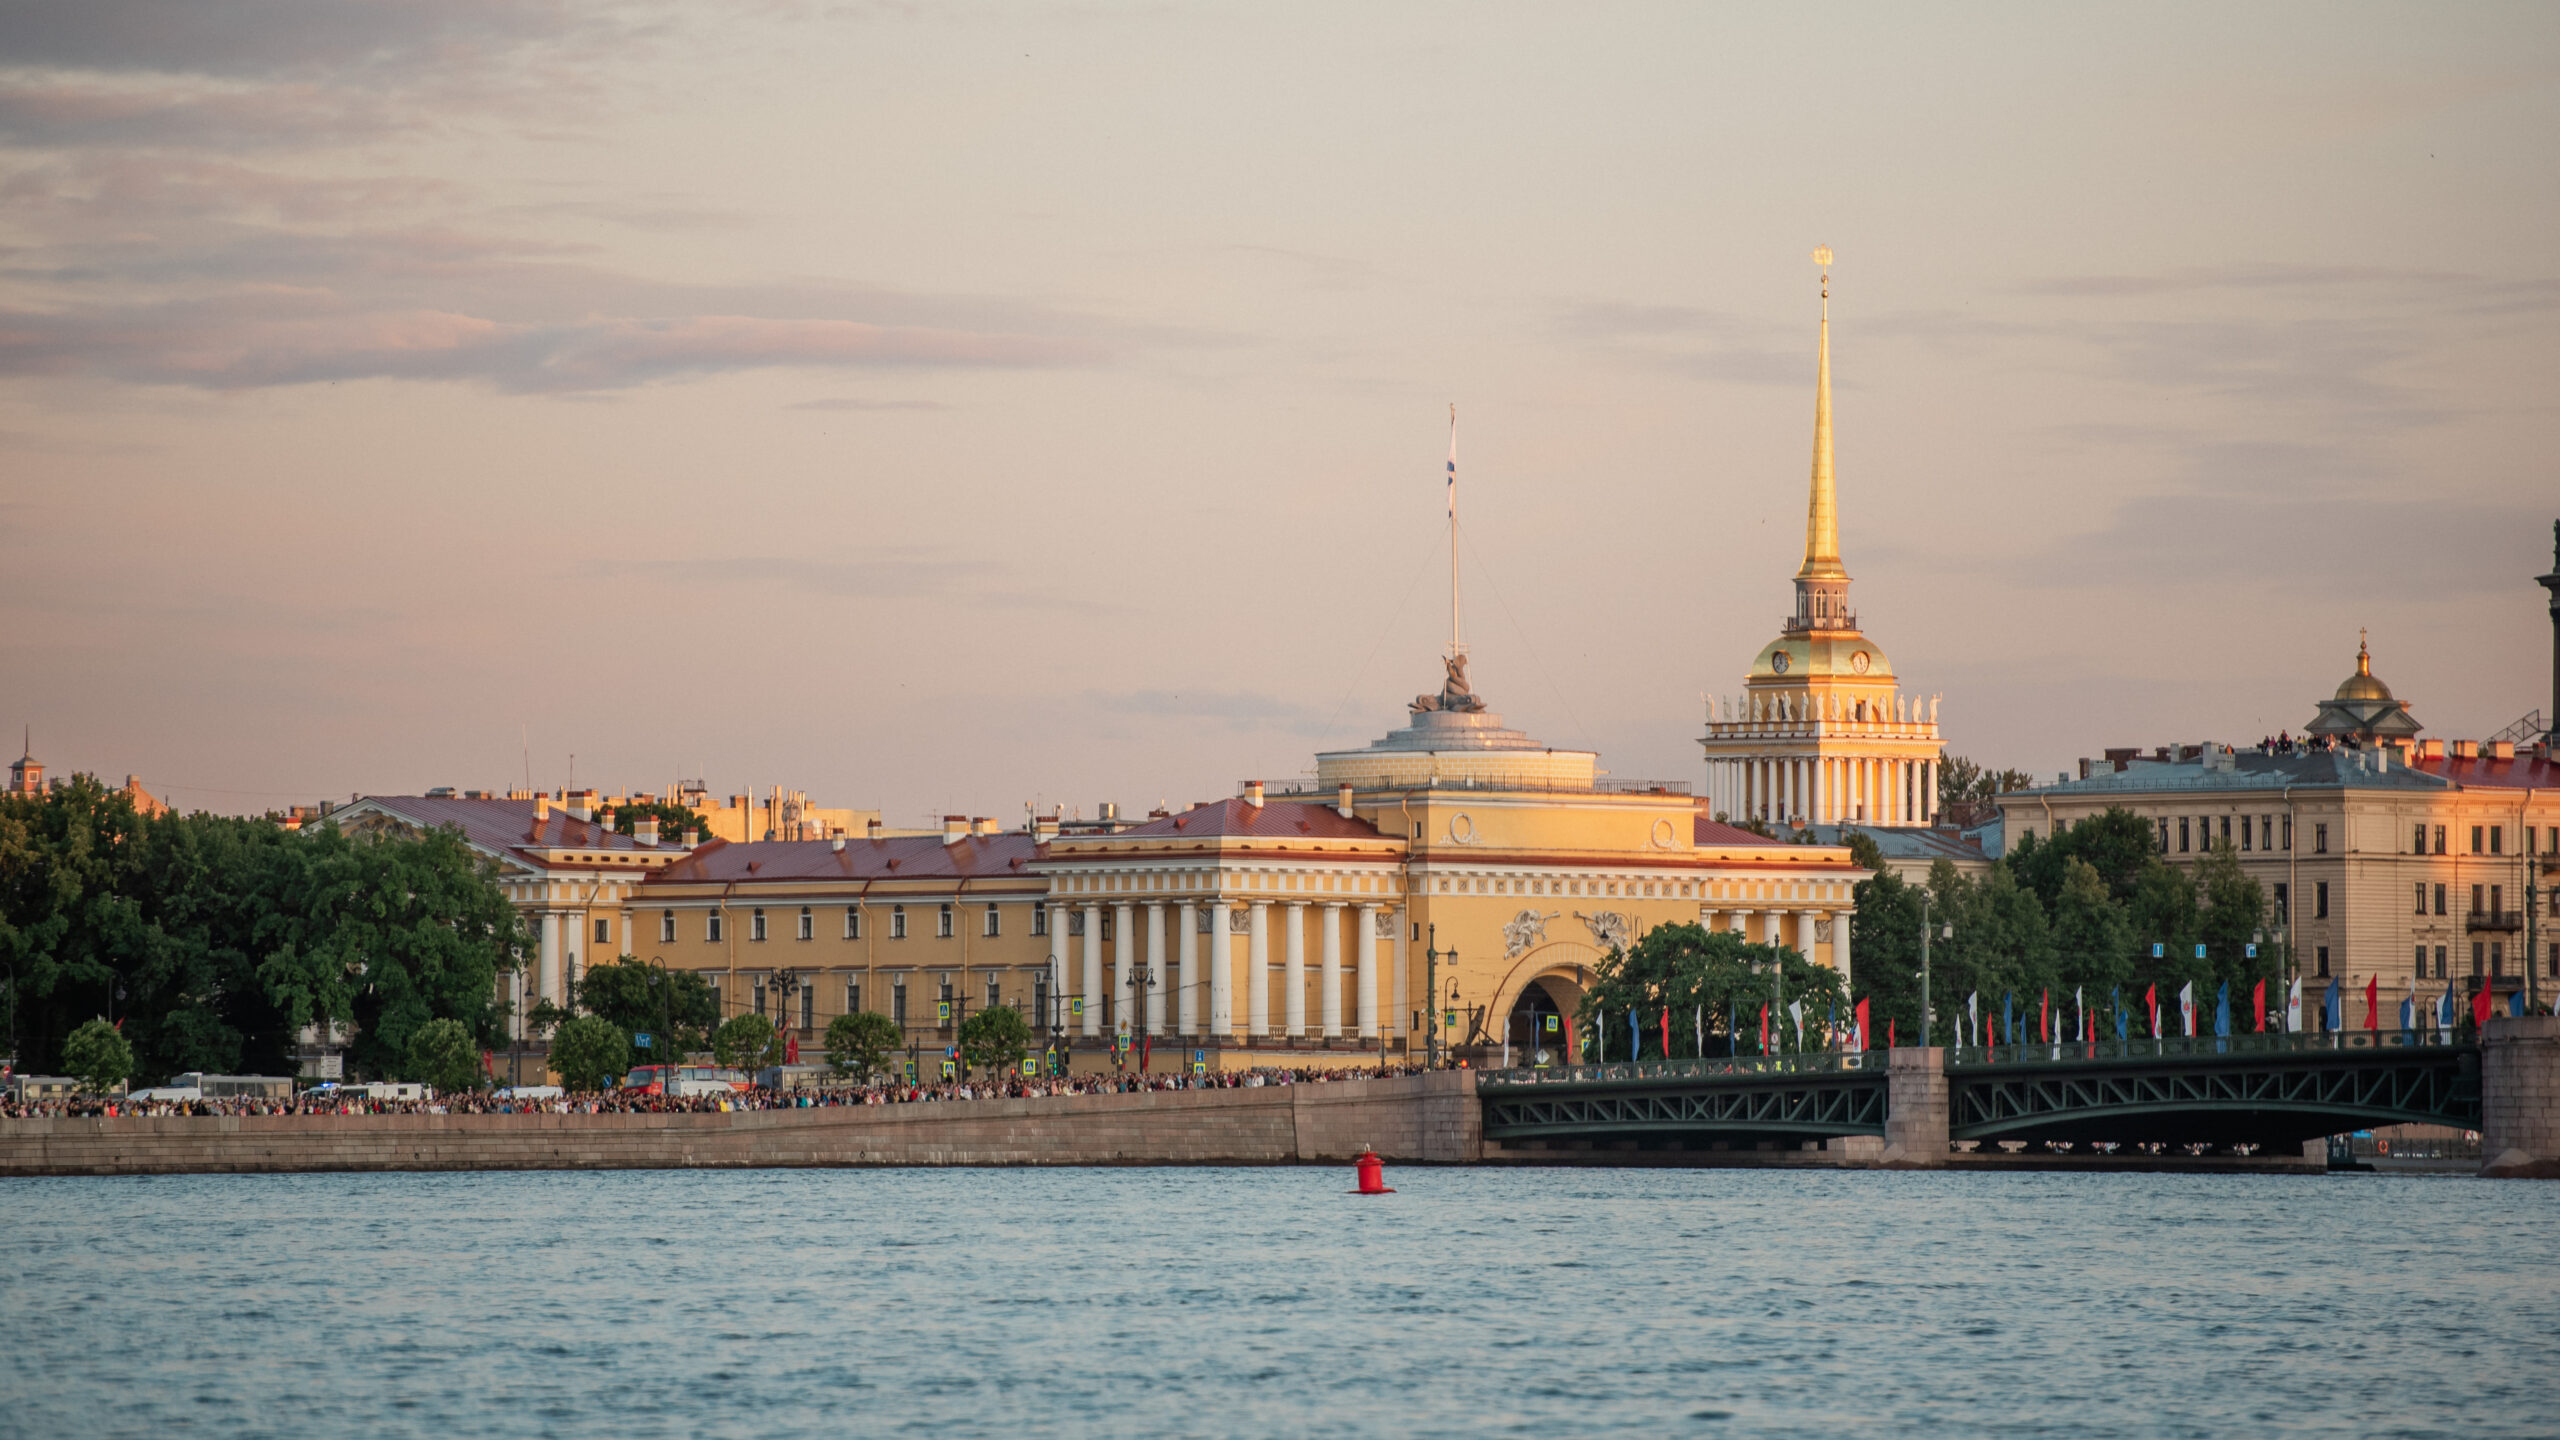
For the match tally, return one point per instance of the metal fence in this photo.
(1812, 1062)
(2063, 1052)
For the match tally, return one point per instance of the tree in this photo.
(994, 1039)
(590, 1053)
(1885, 941)
(673, 820)
(442, 1053)
(2163, 913)
(645, 999)
(2117, 844)
(1963, 783)
(97, 1055)
(2093, 939)
(1686, 969)
(864, 1044)
(747, 1042)
(2233, 917)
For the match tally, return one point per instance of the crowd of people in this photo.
(2283, 743)
(636, 1102)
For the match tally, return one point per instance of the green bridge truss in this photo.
(1671, 1102)
(2262, 1097)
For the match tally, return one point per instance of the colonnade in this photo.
(1772, 930)
(1829, 789)
(1193, 982)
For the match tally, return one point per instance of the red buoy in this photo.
(1373, 1174)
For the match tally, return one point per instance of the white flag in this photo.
(2293, 1009)
(2187, 1006)
(2080, 1004)
(1973, 1011)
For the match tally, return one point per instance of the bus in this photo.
(690, 1080)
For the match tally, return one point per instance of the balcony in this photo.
(2498, 921)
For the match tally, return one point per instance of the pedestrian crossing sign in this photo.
(1075, 1007)
(1031, 1065)
(949, 1070)
(1552, 1022)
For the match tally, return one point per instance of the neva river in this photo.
(1022, 1303)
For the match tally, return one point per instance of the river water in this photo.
(1155, 1302)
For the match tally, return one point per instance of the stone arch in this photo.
(1564, 967)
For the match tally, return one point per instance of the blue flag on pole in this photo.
(2333, 1009)
(2115, 997)
(2515, 1004)
(2409, 1020)
(2008, 1018)
(1635, 1051)
(2222, 1011)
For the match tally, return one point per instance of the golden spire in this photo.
(1822, 517)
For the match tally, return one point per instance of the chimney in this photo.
(1342, 799)
(1044, 827)
(2498, 749)
(871, 828)
(1253, 793)
(693, 837)
(581, 804)
(982, 825)
(955, 828)
(837, 844)
(541, 808)
(604, 817)
(2431, 749)
(2464, 749)
(645, 829)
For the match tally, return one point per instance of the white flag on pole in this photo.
(2187, 1006)
(2293, 1008)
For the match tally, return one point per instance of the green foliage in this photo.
(216, 938)
(643, 999)
(2092, 935)
(1962, 782)
(444, 1054)
(1864, 852)
(1885, 949)
(1683, 967)
(673, 820)
(590, 1053)
(97, 1056)
(864, 1044)
(2118, 844)
(994, 1039)
(747, 1042)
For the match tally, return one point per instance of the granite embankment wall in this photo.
(1432, 1118)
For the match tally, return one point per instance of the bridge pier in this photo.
(1915, 1126)
(2520, 1097)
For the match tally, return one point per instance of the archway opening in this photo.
(1534, 1029)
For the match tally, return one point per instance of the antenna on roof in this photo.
(524, 733)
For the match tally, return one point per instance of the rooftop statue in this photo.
(1455, 694)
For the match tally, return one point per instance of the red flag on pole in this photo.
(2480, 1005)
(2258, 1003)
(2151, 1002)
(790, 1049)
(2373, 1003)
(1666, 1032)
(1571, 1055)
(2044, 1015)
(1862, 1024)
(1889, 1041)
(1764, 1026)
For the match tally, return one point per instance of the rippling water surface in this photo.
(1268, 1302)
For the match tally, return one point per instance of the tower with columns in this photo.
(1823, 732)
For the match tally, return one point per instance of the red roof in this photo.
(2521, 772)
(899, 857)
(1713, 832)
(507, 825)
(1270, 820)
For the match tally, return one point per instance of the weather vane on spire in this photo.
(1822, 257)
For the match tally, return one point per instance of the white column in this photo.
(1222, 973)
(1123, 946)
(1258, 970)
(1805, 932)
(1329, 1008)
(547, 978)
(1057, 962)
(1293, 978)
(1155, 968)
(1741, 922)
(1092, 969)
(1186, 916)
(1772, 936)
(1367, 981)
(1840, 950)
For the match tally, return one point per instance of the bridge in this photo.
(2258, 1090)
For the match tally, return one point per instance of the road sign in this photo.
(942, 1012)
(1031, 1066)
(1075, 1007)
(2158, 949)
(1553, 1023)
(2199, 949)
(2250, 950)
(641, 1039)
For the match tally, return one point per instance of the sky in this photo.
(952, 408)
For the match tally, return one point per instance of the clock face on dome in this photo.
(1859, 662)
(1780, 661)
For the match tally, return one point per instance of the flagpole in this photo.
(1457, 638)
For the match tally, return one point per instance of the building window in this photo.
(2497, 958)
(808, 924)
(995, 926)
(603, 936)
(808, 1007)
(711, 927)
(755, 931)
(2226, 830)
(2182, 834)
(2418, 842)
(2282, 907)
(759, 997)
(897, 922)
(2422, 962)
(2439, 899)
(2288, 832)
(2164, 834)
(944, 996)
(1039, 917)
(2497, 839)
(2244, 833)
(2479, 957)
(2439, 962)
(714, 982)
(2422, 897)
(898, 1000)
(853, 922)
(2475, 839)
(2320, 900)
(942, 922)
(2497, 895)
(2555, 957)
(2478, 893)
(1075, 923)
(2319, 839)
(1110, 926)
(2323, 957)
(995, 993)
(853, 997)
(1040, 998)
(666, 927)
(2439, 839)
